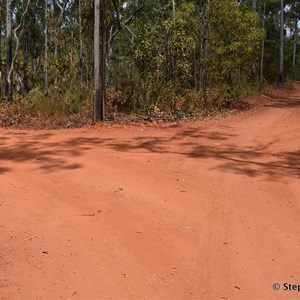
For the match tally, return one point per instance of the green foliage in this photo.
(234, 43)
(164, 49)
(182, 58)
(214, 50)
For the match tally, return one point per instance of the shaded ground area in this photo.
(259, 158)
(203, 210)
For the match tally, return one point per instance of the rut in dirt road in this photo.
(205, 210)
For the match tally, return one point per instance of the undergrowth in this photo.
(72, 108)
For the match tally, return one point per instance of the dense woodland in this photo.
(178, 56)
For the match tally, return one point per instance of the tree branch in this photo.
(127, 21)
(17, 41)
(62, 11)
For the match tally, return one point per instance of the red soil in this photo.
(206, 210)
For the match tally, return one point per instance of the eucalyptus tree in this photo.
(261, 73)
(122, 15)
(2, 23)
(293, 18)
(81, 46)
(281, 54)
(103, 59)
(152, 53)
(17, 45)
(97, 94)
(9, 57)
(46, 83)
(0, 61)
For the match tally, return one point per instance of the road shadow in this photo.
(221, 147)
(4, 170)
(259, 160)
(22, 147)
(288, 103)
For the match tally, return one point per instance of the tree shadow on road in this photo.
(262, 159)
(3, 170)
(252, 161)
(290, 102)
(47, 155)
(221, 148)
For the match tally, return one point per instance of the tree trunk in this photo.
(295, 44)
(0, 61)
(19, 87)
(46, 47)
(294, 54)
(109, 55)
(205, 79)
(174, 10)
(103, 61)
(80, 49)
(254, 5)
(25, 55)
(97, 100)
(281, 55)
(8, 50)
(262, 51)
(52, 10)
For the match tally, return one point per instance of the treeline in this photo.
(143, 55)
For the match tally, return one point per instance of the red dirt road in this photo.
(206, 210)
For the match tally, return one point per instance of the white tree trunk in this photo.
(96, 106)
(8, 50)
(294, 54)
(262, 51)
(254, 5)
(0, 61)
(11, 70)
(80, 49)
(281, 58)
(295, 43)
(103, 62)
(46, 47)
(109, 55)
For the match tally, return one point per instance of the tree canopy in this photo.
(175, 55)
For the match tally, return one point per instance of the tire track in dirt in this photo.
(207, 210)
